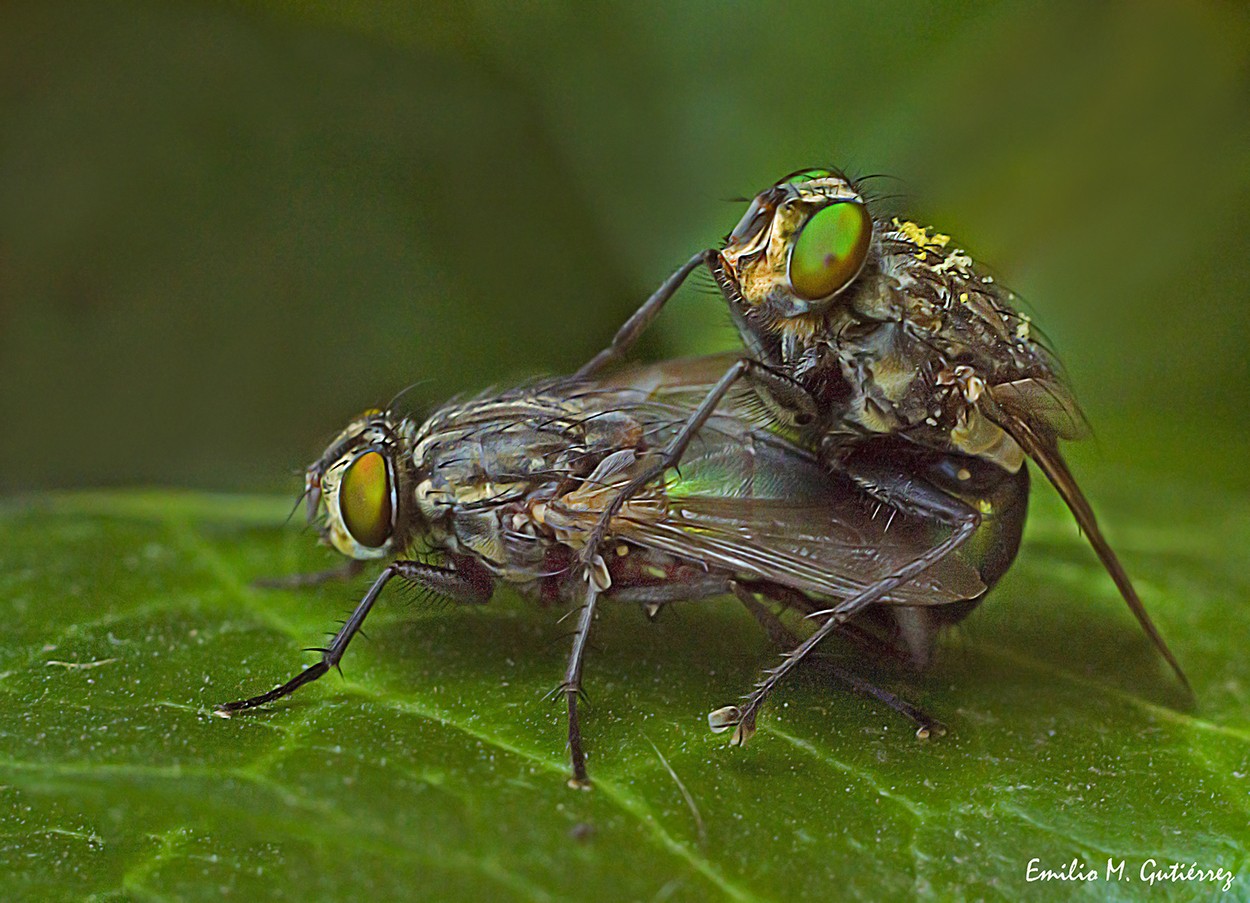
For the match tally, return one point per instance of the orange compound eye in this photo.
(830, 250)
(365, 500)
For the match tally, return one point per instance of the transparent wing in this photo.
(747, 502)
(1041, 445)
(1045, 402)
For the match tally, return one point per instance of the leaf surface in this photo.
(435, 766)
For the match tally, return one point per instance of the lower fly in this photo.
(511, 489)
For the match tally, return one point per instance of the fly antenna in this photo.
(390, 406)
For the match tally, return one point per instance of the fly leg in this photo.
(782, 636)
(868, 642)
(572, 686)
(637, 324)
(910, 495)
(671, 455)
(470, 585)
(342, 573)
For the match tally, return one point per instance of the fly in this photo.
(511, 488)
(885, 350)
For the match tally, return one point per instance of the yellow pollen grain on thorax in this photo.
(919, 235)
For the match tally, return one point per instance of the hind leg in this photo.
(782, 636)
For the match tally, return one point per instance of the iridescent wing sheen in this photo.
(746, 501)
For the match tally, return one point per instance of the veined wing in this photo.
(1042, 446)
(747, 502)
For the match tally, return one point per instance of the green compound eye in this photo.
(830, 250)
(807, 175)
(365, 500)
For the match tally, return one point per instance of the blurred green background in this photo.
(226, 227)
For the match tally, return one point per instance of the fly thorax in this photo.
(879, 295)
(482, 534)
(925, 317)
(433, 503)
(889, 366)
(881, 375)
(872, 414)
(612, 430)
(466, 518)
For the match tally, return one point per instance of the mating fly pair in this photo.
(511, 487)
(863, 463)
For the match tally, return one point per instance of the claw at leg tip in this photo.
(742, 735)
(932, 730)
(724, 718)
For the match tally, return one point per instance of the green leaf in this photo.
(434, 767)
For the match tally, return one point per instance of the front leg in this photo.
(468, 584)
(637, 324)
